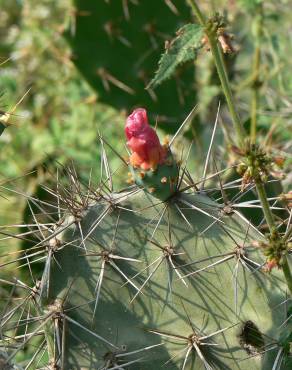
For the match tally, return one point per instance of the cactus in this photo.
(160, 274)
(140, 280)
(154, 293)
(116, 45)
(172, 283)
(4, 364)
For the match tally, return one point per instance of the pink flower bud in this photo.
(147, 152)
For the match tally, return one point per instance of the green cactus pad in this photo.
(117, 44)
(176, 285)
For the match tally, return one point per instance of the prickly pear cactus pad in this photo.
(116, 45)
(136, 282)
(149, 285)
(4, 364)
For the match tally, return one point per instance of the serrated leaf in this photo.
(182, 48)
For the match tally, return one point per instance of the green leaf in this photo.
(182, 48)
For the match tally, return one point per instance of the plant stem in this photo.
(265, 205)
(255, 99)
(272, 227)
(255, 74)
(221, 69)
(222, 72)
(287, 273)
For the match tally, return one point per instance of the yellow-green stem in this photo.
(253, 116)
(221, 69)
(255, 98)
(265, 205)
(256, 71)
(222, 72)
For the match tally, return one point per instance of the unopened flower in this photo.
(147, 152)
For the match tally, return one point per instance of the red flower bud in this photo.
(147, 152)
